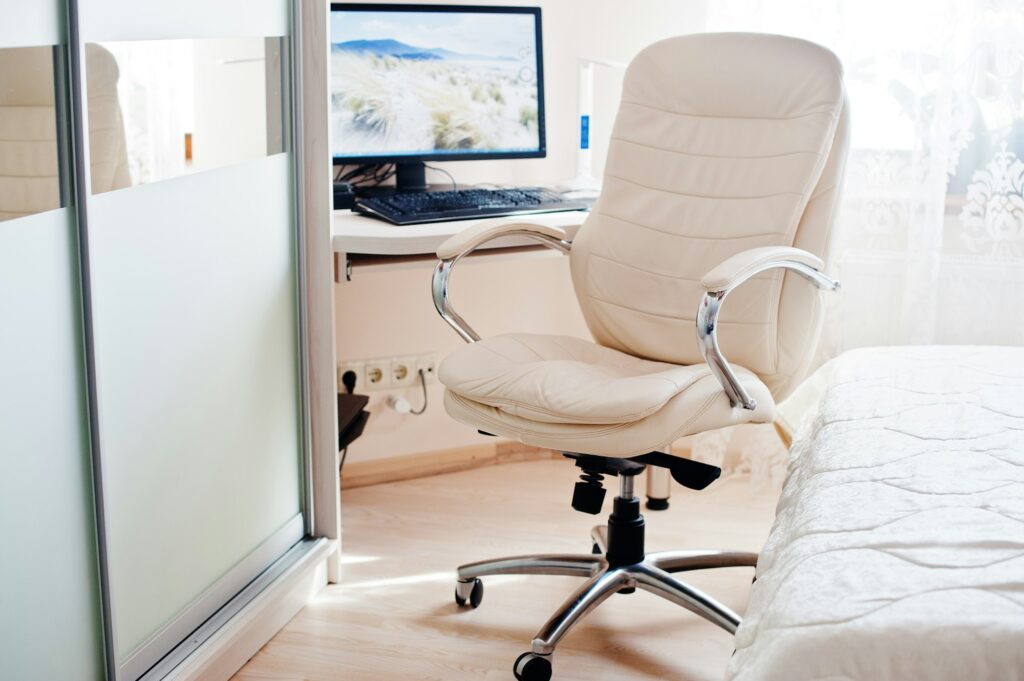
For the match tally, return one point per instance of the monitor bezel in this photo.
(541, 152)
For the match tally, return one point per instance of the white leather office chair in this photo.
(724, 169)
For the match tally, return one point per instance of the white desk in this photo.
(355, 233)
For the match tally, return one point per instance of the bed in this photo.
(898, 547)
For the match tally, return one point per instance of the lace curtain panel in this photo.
(930, 233)
(930, 237)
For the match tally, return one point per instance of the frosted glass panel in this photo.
(49, 602)
(165, 108)
(30, 23)
(134, 20)
(194, 313)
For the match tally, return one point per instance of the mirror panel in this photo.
(30, 175)
(160, 109)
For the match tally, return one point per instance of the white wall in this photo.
(388, 313)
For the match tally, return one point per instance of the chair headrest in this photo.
(736, 75)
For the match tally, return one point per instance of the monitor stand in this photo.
(410, 177)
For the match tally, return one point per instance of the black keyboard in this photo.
(408, 208)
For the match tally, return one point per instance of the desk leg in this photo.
(659, 488)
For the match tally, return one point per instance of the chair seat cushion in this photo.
(560, 379)
(542, 389)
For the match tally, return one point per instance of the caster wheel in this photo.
(532, 667)
(470, 593)
(596, 550)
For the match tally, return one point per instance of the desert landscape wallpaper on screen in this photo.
(415, 82)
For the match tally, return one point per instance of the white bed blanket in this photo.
(898, 550)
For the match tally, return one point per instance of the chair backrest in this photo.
(722, 143)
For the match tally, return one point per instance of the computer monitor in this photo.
(415, 83)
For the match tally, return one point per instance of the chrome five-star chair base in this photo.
(617, 565)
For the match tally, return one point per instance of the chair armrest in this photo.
(472, 238)
(724, 278)
(733, 271)
(468, 240)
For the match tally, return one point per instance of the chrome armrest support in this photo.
(707, 324)
(443, 271)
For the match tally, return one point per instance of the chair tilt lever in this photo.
(687, 472)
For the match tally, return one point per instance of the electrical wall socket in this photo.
(428, 363)
(390, 373)
(378, 374)
(403, 372)
(359, 368)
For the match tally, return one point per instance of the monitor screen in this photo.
(435, 82)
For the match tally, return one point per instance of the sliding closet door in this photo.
(191, 252)
(50, 624)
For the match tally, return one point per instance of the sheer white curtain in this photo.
(930, 240)
(930, 237)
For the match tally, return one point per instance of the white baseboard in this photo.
(241, 637)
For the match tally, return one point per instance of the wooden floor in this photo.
(393, 617)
